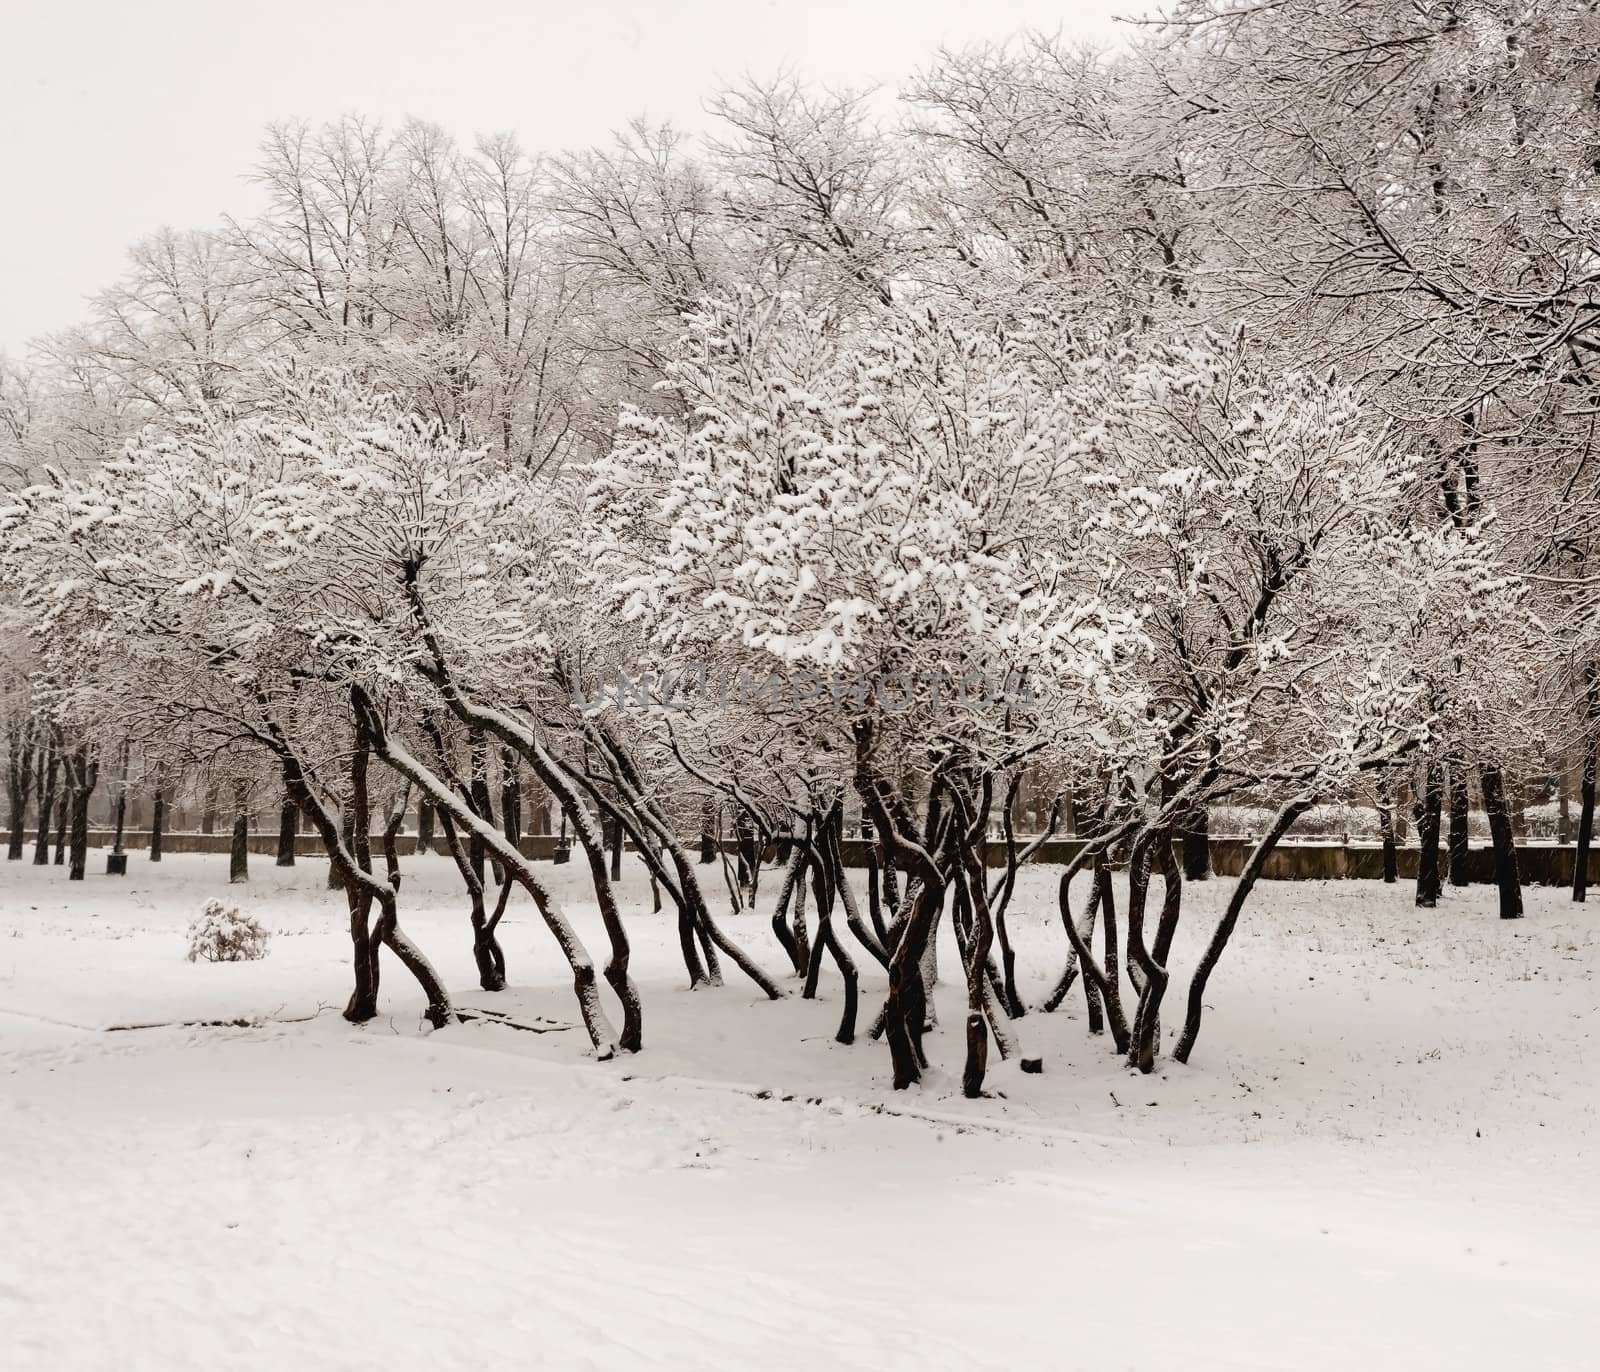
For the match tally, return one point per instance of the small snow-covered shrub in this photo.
(223, 933)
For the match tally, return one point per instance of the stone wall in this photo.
(1541, 864)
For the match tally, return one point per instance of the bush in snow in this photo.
(223, 933)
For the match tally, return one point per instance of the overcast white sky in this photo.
(118, 116)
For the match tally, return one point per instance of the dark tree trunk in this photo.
(749, 843)
(1586, 788)
(614, 838)
(793, 874)
(1197, 845)
(1152, 962)
(425, 825)
(802, 939)
(510, 797)
(19, 783)
(1432, 799)
(18, 838)
(824, 885)
(239, 848)
(288, 830)
(559, 785)
(47, 799)
(63, 815)
(537, 806)
(973, 895)
(158, 822)
(891, 884)
(208, 810)
(1506, 877)
(1106, 993)
(1457, 845)
(708, 831)
(1230, 918)
(486, 950)
(347, 835)
(1386, 827)
(478, 788)
(869, 841)
(85, 773)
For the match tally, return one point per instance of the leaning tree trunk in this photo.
(1591, 764)
(486, 950)
(355, 873)
(1428, 837)
(1457, 844)
(793, 873)
(825, 885)
(1107, 995)
(1506, 877)
(1230, 918)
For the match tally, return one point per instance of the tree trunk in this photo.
(1586, 787)
(1107, 993)
(1145, 1034)
(1428, 837)
(18, 837)
(63, 814)
(486, 950)
(708, 831)
(239, 848)
(615, 839)
(1230, 916)
(158, 822)
(1197, 845)
(1457, 845)
(208, 809)
(974, 890)
(1506, 877)
(19, 783)
(478, 788)
(288, 830)
(347, 835)
(85, 772)
(425, 825)
(510, 797)
(824, 885)
(793, 874)
(1386, 827)
(48, 772)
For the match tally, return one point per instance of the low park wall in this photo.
(1540, 864)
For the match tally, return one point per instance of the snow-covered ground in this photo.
(1381, 1156)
